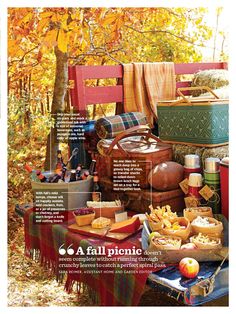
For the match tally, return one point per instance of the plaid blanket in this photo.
(122, 287)
(109, 127)
(147, 83)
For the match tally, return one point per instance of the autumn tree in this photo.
(43, 41)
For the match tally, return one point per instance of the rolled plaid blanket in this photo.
(110, 127)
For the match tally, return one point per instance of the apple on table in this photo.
(189, 267)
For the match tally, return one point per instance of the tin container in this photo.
(191, 165)
(195, 185)
(191, 161)
(212, 165)
(224, 180)
(212, 179)
(202, 122)
(75, 194)
(195, 180)
(193, 191)
(188, 171)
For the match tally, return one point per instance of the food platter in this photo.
(102, 233)
(175, 255)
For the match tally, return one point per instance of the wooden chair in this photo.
(82, 95)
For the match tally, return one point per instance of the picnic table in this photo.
(116, 285)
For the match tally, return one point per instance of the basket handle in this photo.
(185, 99)
(140, 130)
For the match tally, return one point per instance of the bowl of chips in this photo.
(203, 241)
(158, 215)
(163, 242)
(179, 227)
(207, 225)
(192, 212)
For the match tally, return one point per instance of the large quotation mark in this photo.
(63, 251)
(70, 251)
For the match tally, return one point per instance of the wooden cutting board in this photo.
(101, 233)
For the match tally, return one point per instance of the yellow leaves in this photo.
(57, 37)
(12, 44)
(46, 14)
(39, 56)
(102, 13)
(64, 22)
(74, 26)
(43, 23)
(120, 22)
(62, 40)
(78, 16)
(50, 39)
(109, 20)
(83, 44)
(14, 48)
(27, 18)
(81, 16)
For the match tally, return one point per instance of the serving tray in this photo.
(174, 256)
(101, 233)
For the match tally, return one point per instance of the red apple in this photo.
(188, 246)
(189, 267)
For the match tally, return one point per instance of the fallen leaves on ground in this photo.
(29, 284)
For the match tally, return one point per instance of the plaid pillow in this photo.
(109, 127)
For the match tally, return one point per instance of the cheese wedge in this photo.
(141, 217)
(101, 222)
(127, 226)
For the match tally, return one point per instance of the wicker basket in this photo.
(192, 212)
(196, 121)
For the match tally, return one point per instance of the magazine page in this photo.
(118, 156)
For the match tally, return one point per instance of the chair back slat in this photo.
(82, 95)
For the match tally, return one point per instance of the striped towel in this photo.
(147, 83)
